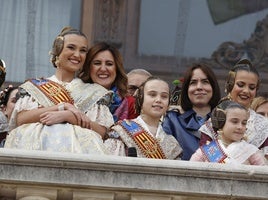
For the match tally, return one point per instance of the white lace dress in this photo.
(62, 137)
(256, 133)
(237, 153)
(120, 140)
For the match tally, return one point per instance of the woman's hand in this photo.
(52, 117)
(81, 118)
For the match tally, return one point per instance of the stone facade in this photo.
(118, 22)
(33, 175)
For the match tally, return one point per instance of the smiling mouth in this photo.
(244, 97)
(103, 76)
(199, 94)
(160, 107)
(74, 61)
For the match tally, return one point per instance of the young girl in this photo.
(145, 132)
(229, 119)
(241, 86)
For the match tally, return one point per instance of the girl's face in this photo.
(263, 109)
(245, 88)
(156, 98)
(200, 90)
(235, 125)
(10, 103)
(103, 69)
(73, 55)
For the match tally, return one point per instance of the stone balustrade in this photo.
(37, 175)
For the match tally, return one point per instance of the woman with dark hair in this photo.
(105, 67)
(145, 132)
(200, 93)
(241, 86)
(8, 98)
(55, 113)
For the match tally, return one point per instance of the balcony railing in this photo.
(39, 175)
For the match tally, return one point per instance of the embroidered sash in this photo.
(54, 91)
(145, 142)
(213, 152)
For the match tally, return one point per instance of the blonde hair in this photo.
(59, 43)
(257, 102)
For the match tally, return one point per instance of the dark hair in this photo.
(244, 65)
(121, 77)
(218, 114)
(140, 93)
(58, 43)
(2, 72)
(186, 104)
(4, 95)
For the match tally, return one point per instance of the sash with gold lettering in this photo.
(213, 152)
(54, 91)
(146, 143)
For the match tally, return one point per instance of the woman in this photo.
(55, 114)
(230, 120)
(106, 68)
(241, 86)
(145, 133)
(8, 98)
(200, 93)
(260, 106)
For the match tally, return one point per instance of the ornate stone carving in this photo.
(255, 49)
(110, 21)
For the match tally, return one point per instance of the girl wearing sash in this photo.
(241, 86)
(145, 132)
(229, 120)
(61, 113)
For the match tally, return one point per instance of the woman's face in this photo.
(263, 109)
(156, 98)
(73, 54)
(103, 69)
(199, 90)
(245, 88)
(11, 103)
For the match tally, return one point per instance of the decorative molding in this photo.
(110, 21)
(255, 49)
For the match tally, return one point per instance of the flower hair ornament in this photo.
(175, 94)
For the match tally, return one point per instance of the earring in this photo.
(57, 61)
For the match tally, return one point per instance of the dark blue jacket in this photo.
(184, 127)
